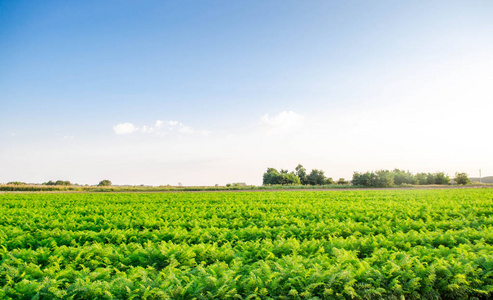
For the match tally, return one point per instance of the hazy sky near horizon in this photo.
(206, 92)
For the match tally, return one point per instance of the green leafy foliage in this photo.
(301, 173)
(462, 178)
(16, 183)
(105, 182)
(386, 244)
(386, 178)
(283, 177)
(58, 182)
(342, 181)
(317, 177)
(273, 177)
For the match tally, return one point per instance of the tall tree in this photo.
(301, 173)
(316, 177)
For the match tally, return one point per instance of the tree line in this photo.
(58, 182)
(299, 176)
(381, 178)
(104, 182)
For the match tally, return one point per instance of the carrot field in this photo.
(383, 244)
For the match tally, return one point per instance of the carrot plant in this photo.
(387, 244)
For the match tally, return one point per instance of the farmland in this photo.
(390, 244)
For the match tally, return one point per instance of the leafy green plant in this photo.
(279, 245)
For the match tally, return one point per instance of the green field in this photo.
(392, 244)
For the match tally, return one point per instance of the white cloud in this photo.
(125, 128)
(160, 128)
(185, 130)
(147, 129)
(69, 137)
(284, 121)
(168, 127)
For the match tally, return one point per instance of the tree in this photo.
(16, 183)
(316, 177)
(289, 178)
(384, 178)
(401, 177)
(342, 181)
(421, 178)
(367, 179)
(58, 182)
(301, 173)
(104, 182)
(356, 178)
(441, 178)
(272, 176)
(430, 178)
(462, 178)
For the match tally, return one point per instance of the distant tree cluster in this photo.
(58, 182)
(105, 182)
(342, 181)
(300, 176)
(381, 178)
(16, 183)
(386, 178)
(462, 178)
(234, 184)
(272, 176)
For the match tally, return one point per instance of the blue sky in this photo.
(207, 92)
